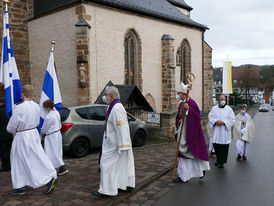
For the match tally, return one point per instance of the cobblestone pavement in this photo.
(75, 187)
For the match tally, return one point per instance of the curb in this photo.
(139, 187)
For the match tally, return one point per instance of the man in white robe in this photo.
(244, 131)
(221, 119)
(29, 163)
(53, 140)
(117, 162)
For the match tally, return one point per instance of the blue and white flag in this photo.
(50, 89)
(8, 72)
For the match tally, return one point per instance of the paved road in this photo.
(245, 183)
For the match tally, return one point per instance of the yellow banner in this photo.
(227, 78)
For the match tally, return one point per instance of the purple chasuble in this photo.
(115, 101)
(194, 133)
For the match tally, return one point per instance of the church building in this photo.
(152, 44)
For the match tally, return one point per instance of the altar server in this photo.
(29, 164)
(244, 131)
(221, 118)
(53, 140)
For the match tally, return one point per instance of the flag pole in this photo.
(52, 45)
(53, 42)
(9, 56)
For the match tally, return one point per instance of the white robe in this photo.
(221, 134)
(117, 162)
(244, 131)
(53, 139)
(242, 147)
(192, 167)
(29, 163)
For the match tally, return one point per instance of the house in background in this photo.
(245, 81)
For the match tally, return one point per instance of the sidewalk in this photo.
(75, 187)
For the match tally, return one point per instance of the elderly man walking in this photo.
(117, 162)
(193, 156)
(221, 119)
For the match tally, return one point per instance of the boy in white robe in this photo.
(221, 119)
(53, 140)
(29, 163)
(117, 162)
(244, 132)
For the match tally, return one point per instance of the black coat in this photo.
(4, 135)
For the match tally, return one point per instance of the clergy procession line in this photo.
(33, 166)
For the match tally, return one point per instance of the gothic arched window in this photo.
(133, 73)
(183, 60)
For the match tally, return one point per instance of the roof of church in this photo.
(162, 9)
(181, 3)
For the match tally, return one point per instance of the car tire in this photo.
(139, 138)
(80, 147)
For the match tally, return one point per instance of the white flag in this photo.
(50, 89)
(8, 72)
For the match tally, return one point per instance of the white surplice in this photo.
(53, 139)
(29, 163)
(244, 128)
(117, 162)
(244, 131)
(190, 166)
(221, 134)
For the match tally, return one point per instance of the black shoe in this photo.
(244, 157)
(221, 166)
(20, 191)
(204, 173)
(177, 180)
(130, 189)
(238, 157)
(216, 164)
(62, 170)
(98, 194)
(51, 185)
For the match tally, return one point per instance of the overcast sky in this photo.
(242, 29)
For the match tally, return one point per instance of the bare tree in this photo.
(248, 80)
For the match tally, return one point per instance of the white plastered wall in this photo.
(109, 27)
(60, 27)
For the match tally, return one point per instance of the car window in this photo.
(97, 113)
(64, 113)
(92, 113)
(83, 112)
